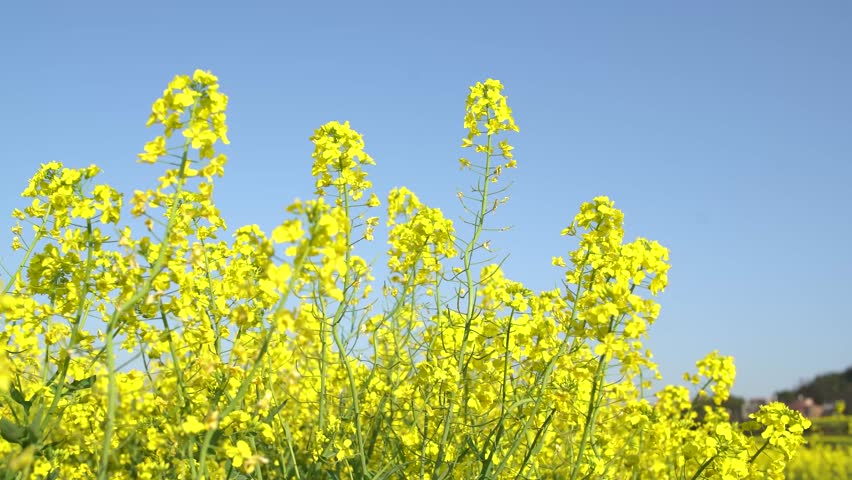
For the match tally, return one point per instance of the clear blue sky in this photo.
(722, 129)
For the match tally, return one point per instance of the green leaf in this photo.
(18, 397)
(82, 384)
(13, 433)
(275, 411)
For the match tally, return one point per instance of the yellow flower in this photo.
(239, 453)
(192, 425)
(154, 149)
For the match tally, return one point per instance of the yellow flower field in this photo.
(277, 355)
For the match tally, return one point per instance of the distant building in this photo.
(807, 407)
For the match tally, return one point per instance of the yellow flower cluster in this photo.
(338, 156)
(417, 244)
(488, 112)
(176, 352)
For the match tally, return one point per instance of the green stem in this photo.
(75, 330)
(181, 382)
(703, 466)
(544, 381)
(39, 234)
(703, 387)
(591, 413)
(113, 324)
(341, 351)
(759, 451)
(479, 221)
(485, 472)
(298, 264)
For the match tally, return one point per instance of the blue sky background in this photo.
(722, 129)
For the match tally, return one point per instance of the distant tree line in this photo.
(825, 388)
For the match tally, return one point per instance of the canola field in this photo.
(277, 355)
